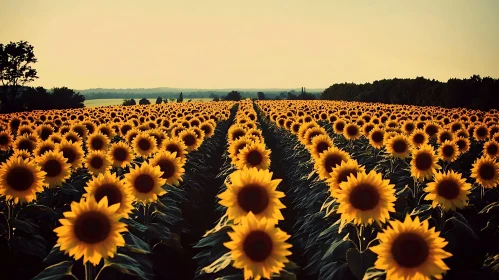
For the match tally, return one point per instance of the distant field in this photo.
(111, 102)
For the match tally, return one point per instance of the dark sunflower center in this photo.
(257, 246)
(167, 167)
(481, 131)
(72, 138)
(92, 227)
(409, 127)
(331, 162)
(120, 154)
(492, 149)
(111, 191)
(96, 162)
(418, 138)
(144, 144)
(340, 126)
(97, 144)
(399, 146)
(52, 167)
(461, 144)
(431, 130)
(377, 137)
(189, 140)
(410, 250)
(26, 145)
(487, 171)
(45, 149)
(20, 178)
(254, 158)
(172, 148)
(448, 151)
(4, 140)
(321, 147)
(206, 129)
(448, 189)
(352, 130)
(237, 134)
(253, 198)
(69, 154)
(312, 135)
(45, 133)
(344, 174)
(364, 197)
(424, 161)
(144, 183)
(445, 136)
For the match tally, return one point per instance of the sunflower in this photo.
(491, 149)
(366, 198)
(22, 154)
(20, 179)
(258, 247)
(486, 172)
(448, 190)
(311, 133)
(235, 131)
(254, 155)
(72, 137)
(320, 144)
(146, 183)
(208, 128)
(25, 142)
(418, 138)
(339, 126)
(444, 135)
(131, 135)
(352, 131)
(144, 144)
(110, 186)
(43, 147)
(56, 167)
(171, 166)
(190, 139)
(44, 131)
(177, 146)
(481, 132)
(463, 144)
(424, 162)
(252, 190)
(97, 162)
(91, 230)
(410, 250)
(398, 146)
(448, 151)
(328, 160)
(56, 138)
(341, 173)
(5, 140)
(376, 138)
(73, 152)
(120, 154)
(97, 142)
(236, 146)
(431, 129)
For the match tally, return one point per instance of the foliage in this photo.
(144, 101)
(129, 102)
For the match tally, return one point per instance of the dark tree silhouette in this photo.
(233, 95)
(65, 98)
(129, 102)
(180, 98)
(216, 98)
(144, 101)
(261, 95)
(16, 59)
(159, 100)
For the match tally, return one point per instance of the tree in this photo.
(233, 95)
(180, 98)
(65, 98)
(165, 100)
(129, 102)
(15, 70)
(144, 101)
(216, 98)
(159, 100)
(261, 95)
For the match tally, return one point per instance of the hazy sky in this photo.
(252, 44)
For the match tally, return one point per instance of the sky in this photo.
(252, 44)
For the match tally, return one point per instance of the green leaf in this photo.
(493, 207)
(126, 265)
(33, 244)
(24, 225)
(492, 224)
(420, 209)
(359, 262)
(56, 255)
(136, 225)
(373, 273)
(459, 224)
(56, 271)
(37, 211)
(136, 243)
(332, 248)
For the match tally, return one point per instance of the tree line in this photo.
(475, 92)
(16, 60)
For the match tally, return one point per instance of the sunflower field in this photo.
(250, 190)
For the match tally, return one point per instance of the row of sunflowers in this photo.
(99, 186)
(250, 190)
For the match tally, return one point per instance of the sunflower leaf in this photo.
(33, 245)
(126, 265)
(373, 273)
(359, 262)
(56, 271)
(493, 207)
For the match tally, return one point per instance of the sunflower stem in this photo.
(9, 215)
(89, 271)
(442, 219)
(359, 236)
